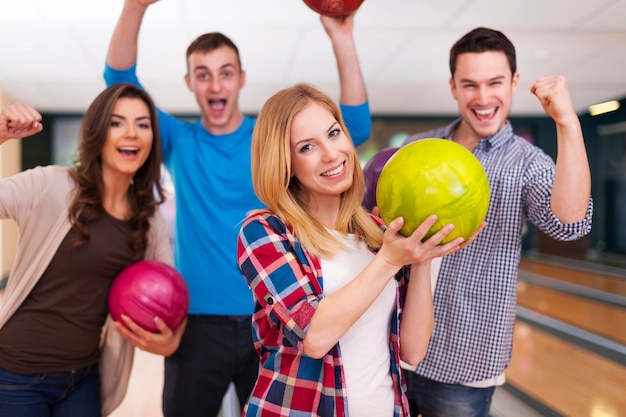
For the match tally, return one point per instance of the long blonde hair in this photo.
(283, 194)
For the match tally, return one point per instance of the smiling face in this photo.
(322, 156)
(129, 138)
(215, 78)
(483, 87)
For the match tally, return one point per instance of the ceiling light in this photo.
(602, 108)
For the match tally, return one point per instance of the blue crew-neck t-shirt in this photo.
(213, 194)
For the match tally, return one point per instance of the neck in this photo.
(465, 136)
(224, 129)
(326, 211)
(115, 199)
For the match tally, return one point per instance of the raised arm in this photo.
(571, 189)
(340, 32)
(353, 95)
(122, 52)
(18, 121)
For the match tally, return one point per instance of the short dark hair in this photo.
(211, 41)
(483, 40)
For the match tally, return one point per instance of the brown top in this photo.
(58, 327)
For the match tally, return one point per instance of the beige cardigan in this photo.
(37, 200)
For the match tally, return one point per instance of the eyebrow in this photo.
(204, 67)
(496, 78)
(332, 126)
(124, 117)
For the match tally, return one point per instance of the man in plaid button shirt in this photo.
(475, 293)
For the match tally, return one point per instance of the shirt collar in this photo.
(487, 143)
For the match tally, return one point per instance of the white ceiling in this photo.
(53, 51)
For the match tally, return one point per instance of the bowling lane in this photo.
(600, 318)
(596, 280)
(570, 380)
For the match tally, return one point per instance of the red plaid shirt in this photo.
(287, 285)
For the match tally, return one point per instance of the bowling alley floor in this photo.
(144, 394)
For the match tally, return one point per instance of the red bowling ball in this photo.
(147, 289)
(334, 8)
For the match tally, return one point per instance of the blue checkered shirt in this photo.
(475, 294)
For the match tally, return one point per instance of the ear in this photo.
(452, 87)
(515, 82)
(242, 79)
(188, 82)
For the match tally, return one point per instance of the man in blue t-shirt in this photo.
(209, 163)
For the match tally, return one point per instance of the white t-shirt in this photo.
(365, 346)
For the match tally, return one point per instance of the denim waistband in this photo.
(209, 318)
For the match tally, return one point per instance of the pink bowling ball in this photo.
(149, 289)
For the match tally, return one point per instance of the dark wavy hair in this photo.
(145, 193)
(483, 40)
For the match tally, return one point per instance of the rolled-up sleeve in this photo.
(278, 278)
(537, 191)
(114, 76)
(358, 120)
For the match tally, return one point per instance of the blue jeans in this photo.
(67, 394)
(436, 399)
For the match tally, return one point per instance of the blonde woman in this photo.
(330, 283)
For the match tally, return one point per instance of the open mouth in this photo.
(128, 150)
(483, 114)
(217, 104)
